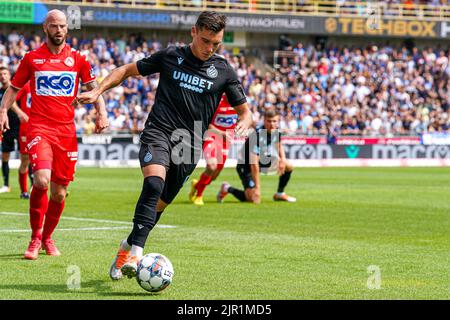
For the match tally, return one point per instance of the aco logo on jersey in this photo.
(55, 83)
(225, 120)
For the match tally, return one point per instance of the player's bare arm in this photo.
(101, 122)
(23, 117)
(245, 119)
(116, 77)
(8, 100)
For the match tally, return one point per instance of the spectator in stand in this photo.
(373, 90)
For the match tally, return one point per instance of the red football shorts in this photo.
(58, 154)
(216, 149)
(23, 138)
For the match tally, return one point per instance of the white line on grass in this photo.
(165, 226)
(65, 229)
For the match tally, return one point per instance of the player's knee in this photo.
(253, 196)
(58, 196)
(211, 167)
(41, 182)
(289, 167)
(256, 199)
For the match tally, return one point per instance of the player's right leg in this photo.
(144, 216)
(38, 207)
(154, 158)
(247, 181)
(41, 162)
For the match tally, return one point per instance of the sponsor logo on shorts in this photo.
(251, 184)
(72, 155)
(33, 142)
(148, 157)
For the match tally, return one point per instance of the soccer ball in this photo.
(154, 272)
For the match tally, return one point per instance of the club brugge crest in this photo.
(212, 72)
(148, 157)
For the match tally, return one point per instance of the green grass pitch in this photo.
(355, 233)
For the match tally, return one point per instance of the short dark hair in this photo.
(4, 68)
(212, 21)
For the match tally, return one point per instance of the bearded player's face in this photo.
(56, 30)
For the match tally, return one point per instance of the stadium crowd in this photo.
(373, 91)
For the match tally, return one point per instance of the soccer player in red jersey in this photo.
(215, 148)
(23, 99)
(54, 71)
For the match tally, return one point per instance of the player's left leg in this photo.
(177, 175)
(215, 161)
(199, 185)
(282, 183)
(65, 155)
(55, 209)
(205, 179)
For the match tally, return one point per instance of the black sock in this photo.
(30, 174)
(145, 215)
(238, 194)
(284, 179)
(130, 237)
(5, 172)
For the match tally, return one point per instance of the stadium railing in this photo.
(325, 8)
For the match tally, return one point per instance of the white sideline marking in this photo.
(64, 229)
(162, 226)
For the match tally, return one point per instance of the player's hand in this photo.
(86, 97)
(23, 117)
(101, 122)
(4, 123)
(241, 129)
(281, 167)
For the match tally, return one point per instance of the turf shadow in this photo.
(11, 256)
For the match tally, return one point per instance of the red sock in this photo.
(23, 181)
(202, 183)
(52, 216)
(38, 207)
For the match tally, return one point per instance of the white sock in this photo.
(136, 251)
(124, 245)
(280, 193)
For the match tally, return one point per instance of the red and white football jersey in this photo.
(54, 81)
(23, 99)
(225, 117)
